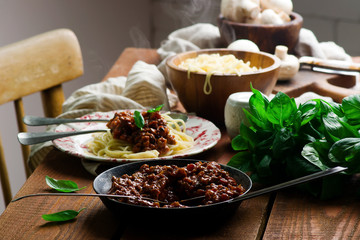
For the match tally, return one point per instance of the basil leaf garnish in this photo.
(61, 216)
(155, 109)
(139, 119)
(62, 185)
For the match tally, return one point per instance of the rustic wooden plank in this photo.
(296, 215)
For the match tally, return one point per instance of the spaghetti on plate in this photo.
(159, 135)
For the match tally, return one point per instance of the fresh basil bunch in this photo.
(284, 141)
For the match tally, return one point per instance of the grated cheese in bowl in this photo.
(216, 64)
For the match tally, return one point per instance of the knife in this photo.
(337, 65)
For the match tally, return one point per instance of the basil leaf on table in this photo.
(61, 216)
(139, 119)
(62, 185)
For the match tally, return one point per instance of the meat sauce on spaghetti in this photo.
(155, 135)
(171, 184)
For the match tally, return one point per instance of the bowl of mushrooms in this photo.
(268, 23)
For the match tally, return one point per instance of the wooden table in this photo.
(285, 215)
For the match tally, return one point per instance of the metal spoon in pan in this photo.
(274, 188)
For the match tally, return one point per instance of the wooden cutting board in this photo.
(335, 86)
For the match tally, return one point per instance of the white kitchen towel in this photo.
(309, 45)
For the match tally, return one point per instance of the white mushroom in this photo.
(269, 16)
(226, 9)
(256, 20)
(289, 63)
(240, 10)
(257, 11)
(284, 16)
(277, 5)
(244, 45)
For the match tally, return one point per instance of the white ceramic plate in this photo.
(204, 132)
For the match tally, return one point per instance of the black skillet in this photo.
(193, 214)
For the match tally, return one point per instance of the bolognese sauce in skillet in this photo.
(171, 184)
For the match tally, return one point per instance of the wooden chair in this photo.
(37, 64)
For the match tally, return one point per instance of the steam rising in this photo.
(139, 38)
(188, 12)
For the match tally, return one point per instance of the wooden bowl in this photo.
(267, 37)
(189, 87)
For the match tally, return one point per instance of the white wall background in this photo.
(333, 20)
(105, 28)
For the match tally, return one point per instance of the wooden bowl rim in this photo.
(277, 62)
(297, 19)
